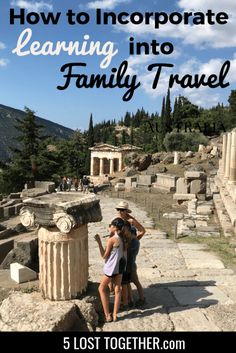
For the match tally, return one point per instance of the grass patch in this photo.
(220, 246)
(29, 289)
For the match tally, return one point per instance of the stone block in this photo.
(14, 195)
(195, 186)
(143, 187)
(165, 182)
(189, 154)
(146, 179)
(192, 206)
(120, 187)
(6, 212)
(30, 312)
(47, 185)
(25, 253)
(173, 215)
(182, 186)
(1, 213)
(21, 274)
(204, 209)
(129, 181)
(201, 148)
(184, 197)
(6, 233)
(194, 175)
(214, 151)
(5, 247)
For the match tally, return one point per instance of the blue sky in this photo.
(32, 80)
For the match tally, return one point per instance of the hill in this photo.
(8, 132)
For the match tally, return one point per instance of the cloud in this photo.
(106, 4)
(32, 6)
(3, 62)
(214, 36)
(200, 5)
(2, 45)
(202, 96)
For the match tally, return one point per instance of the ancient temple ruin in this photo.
(225, 180)
(108, 159)
(63, 240)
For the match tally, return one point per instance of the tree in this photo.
(127, 119)
(90, 132)
(131, 135)
(24, 166)
(232, 107)
(176, 114)
(168, 110)
(123, 137)
(162, 126)
(187, 110)
(232, 101)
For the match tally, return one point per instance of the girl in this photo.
(115, 263)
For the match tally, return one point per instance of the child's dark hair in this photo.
(124, 230)
(118, 223)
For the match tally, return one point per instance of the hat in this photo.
(122, 205)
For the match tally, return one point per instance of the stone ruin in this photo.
(16, 243)
(193, 190)
(223, 186)
(62, 220)
(192, 186)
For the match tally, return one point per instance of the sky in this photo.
(32, 80)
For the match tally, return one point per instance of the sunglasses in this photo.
(121, 209)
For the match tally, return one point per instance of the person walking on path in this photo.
(138, 232)
(114, 255)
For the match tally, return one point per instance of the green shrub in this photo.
(180, 141)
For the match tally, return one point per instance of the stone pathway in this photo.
(187, 288)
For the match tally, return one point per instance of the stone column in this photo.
(176, 158)
(120, 165)
(63, 263)
(92, 166)
(227, 159)
(111, 166)
(224, 148)
(232, 173)
(63, 240)
(101, 171)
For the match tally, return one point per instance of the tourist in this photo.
(85, 182)
(138, 232)
(126, 278)
(64, 183)
(114, 255)
(69, 183)
(76, 183)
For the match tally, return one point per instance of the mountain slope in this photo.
(8, 132)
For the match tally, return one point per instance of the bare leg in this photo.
(125, 294)
(111, 287)
(135, 280)
(130, 294)
(104, 295)
(117, 285)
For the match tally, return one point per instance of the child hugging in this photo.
(115, 255)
